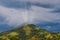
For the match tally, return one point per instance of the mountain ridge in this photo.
(29, 32)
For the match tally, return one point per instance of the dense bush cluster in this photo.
(29, 32)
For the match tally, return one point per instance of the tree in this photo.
(14, 36)
(27, 30)
(48, 37)
(34, 38)
(4, 37)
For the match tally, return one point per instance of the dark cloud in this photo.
(22, 4)
(14, 4)
(56, 10)
(1, 18)
(43, 5)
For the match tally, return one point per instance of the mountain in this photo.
(29, 32)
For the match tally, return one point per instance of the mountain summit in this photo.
(29, 32)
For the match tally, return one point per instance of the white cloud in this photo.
(44, 1)
(13, 16)
(55, 3)
(43, 14)
(34, 15)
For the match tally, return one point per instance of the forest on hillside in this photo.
(29, 32)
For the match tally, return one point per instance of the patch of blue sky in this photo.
(5, 27)
(52, 27)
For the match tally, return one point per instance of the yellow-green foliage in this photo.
(13, 34)
(29, 32)
(4, 37)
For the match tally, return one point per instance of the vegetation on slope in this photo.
(29, 32)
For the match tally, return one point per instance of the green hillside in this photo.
(29, 32)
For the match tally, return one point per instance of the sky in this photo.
(43, 13)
